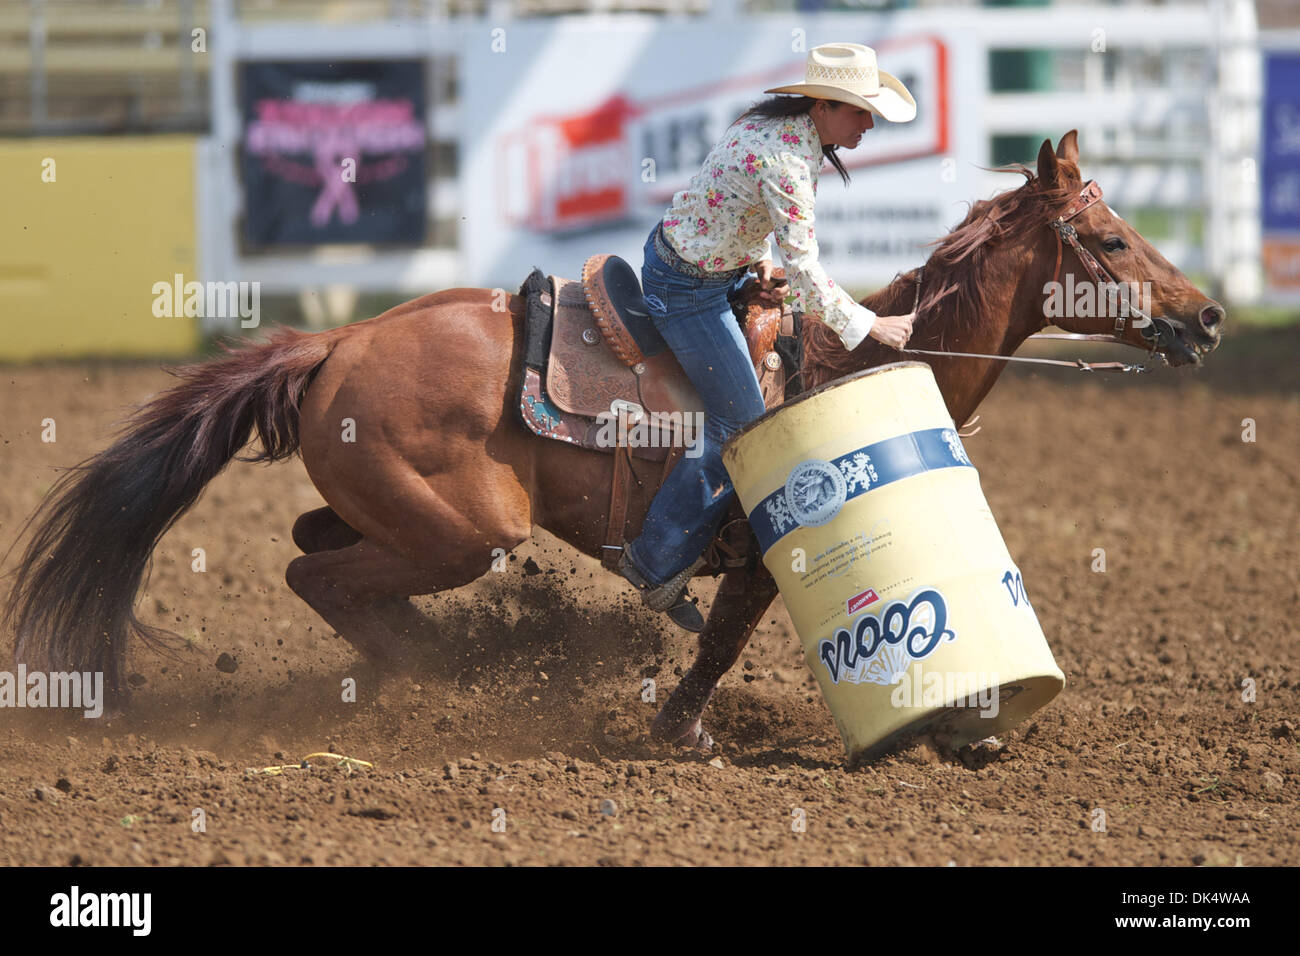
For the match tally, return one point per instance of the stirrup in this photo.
(671, 597)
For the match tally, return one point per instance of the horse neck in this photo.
(1013, 294)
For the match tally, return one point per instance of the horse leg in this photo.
(347, 586)
(743, 599)
(324, 530)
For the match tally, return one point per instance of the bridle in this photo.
(1157, 333)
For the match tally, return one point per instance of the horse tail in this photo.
(72, 604)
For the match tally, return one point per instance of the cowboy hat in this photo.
(847, 73)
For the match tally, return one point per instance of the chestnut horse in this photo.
(439, 472)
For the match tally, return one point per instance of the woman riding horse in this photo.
(760, 179)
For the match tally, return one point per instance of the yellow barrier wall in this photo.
(79, 256)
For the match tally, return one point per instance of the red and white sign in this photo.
(567, 172)
(859, 601)
(578, 145)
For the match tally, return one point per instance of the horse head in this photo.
(1155, 307)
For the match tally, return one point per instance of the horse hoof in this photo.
(694, 737)
(703, 741)
(114, 707)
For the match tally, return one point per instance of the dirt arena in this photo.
(529, 699)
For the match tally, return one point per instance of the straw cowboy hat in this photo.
(847, 73)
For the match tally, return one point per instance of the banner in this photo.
(1280, 179)
(334, 152)
(555, 171)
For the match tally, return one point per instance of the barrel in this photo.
(912, 614)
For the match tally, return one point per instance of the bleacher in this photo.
(79, 66)
(108, 66)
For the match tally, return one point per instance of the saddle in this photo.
(597, 373)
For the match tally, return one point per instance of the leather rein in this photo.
(1158, 333)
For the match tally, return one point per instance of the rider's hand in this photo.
(773, 291)
(893, 330)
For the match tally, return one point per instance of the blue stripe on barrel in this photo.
(854, 474)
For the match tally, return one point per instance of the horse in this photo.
(406, 425)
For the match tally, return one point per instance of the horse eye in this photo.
(1114, 244)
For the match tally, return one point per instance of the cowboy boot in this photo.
(671, 597)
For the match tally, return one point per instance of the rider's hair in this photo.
(785, 105)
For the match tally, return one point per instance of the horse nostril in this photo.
(1212, 317)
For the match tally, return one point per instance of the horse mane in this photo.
(954, 296)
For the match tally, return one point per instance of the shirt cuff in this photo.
(858, 327)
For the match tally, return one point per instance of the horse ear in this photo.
(1069, 147)
(1047, 165)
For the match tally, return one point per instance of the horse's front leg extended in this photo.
(743, 598)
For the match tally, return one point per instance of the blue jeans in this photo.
(695, 319)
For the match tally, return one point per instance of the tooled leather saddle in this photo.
(597, 374)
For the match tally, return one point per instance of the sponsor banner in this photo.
(334, 152)
(558, 171)
(1282, 263)
(1280, 173)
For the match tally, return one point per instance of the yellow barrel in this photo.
(912, 614)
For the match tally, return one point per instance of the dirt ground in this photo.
(527, 710)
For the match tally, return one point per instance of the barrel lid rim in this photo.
(845, 380)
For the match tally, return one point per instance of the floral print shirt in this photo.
(759, 180)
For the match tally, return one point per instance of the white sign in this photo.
(576, 137)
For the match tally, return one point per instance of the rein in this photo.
(1158, 332)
